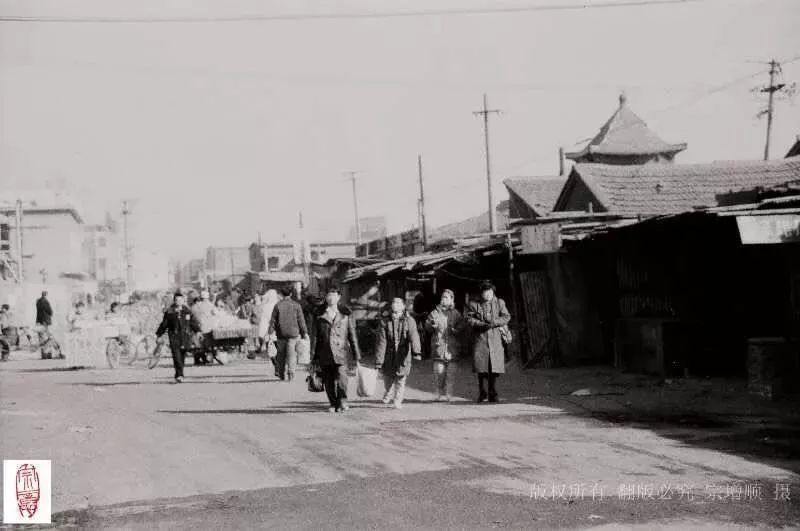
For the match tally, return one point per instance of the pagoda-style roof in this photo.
(625, 135)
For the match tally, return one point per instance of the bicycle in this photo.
(125, 349)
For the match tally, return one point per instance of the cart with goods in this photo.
(229, 340)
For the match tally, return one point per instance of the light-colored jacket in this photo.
(445, 326)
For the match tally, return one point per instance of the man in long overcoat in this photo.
(180, 326)
(487, 317)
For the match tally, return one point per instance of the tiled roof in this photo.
(670, 188)
(626, 134)
(539, 193)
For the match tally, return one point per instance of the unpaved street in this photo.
(233, 447)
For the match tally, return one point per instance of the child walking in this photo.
(398, 342)
(445, 325)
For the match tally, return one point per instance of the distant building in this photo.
(52, 236)
(625, 139)
(372, 228)
(225, 262)
(150, 271)
(190, 273)
(275, 256)
(104, 253)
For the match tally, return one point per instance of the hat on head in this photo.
(449, 292)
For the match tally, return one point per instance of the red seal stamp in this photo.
(28, 491)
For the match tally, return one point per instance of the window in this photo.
(273, 263)
(315, 256)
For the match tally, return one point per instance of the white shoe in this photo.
(398, 405)
(386, 399)
(439, 398)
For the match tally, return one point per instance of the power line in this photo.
(689, 102)
(345, 15)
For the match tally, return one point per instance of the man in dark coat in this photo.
(289, 325)
(180, 325)
(336, 348)
(398, 341)
(487, 318)
(44, 313)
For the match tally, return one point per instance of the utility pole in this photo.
(18, 221)
(304, 250)
(422, 205)
(485, 113)
(128, 265)
(352, 178)
(774, 70)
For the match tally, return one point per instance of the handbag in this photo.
(506, 336)
(314, 380)
(367, 380)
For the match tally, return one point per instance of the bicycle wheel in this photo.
(113, 352)
(155, 356)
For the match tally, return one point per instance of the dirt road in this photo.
(233, 447)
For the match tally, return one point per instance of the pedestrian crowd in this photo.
(292, 323)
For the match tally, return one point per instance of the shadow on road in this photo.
(716, 414)
(53, 369)
(170, 381)
(283, 410)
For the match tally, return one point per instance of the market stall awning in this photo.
(282, 276)
(431, 261)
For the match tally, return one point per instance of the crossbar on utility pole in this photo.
(485, 113)
(774, 68)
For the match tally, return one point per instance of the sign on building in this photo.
(541, 238)
(777, 228)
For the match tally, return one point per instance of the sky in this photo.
(216, 131)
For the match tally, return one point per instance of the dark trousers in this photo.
(491, 377)
(334, 377)
(178, 356)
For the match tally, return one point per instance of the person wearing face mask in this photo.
(445, 325)
(487, 317)
(398, 342)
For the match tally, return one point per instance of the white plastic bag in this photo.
(303, 349)
(367, 380)
(272, 349)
